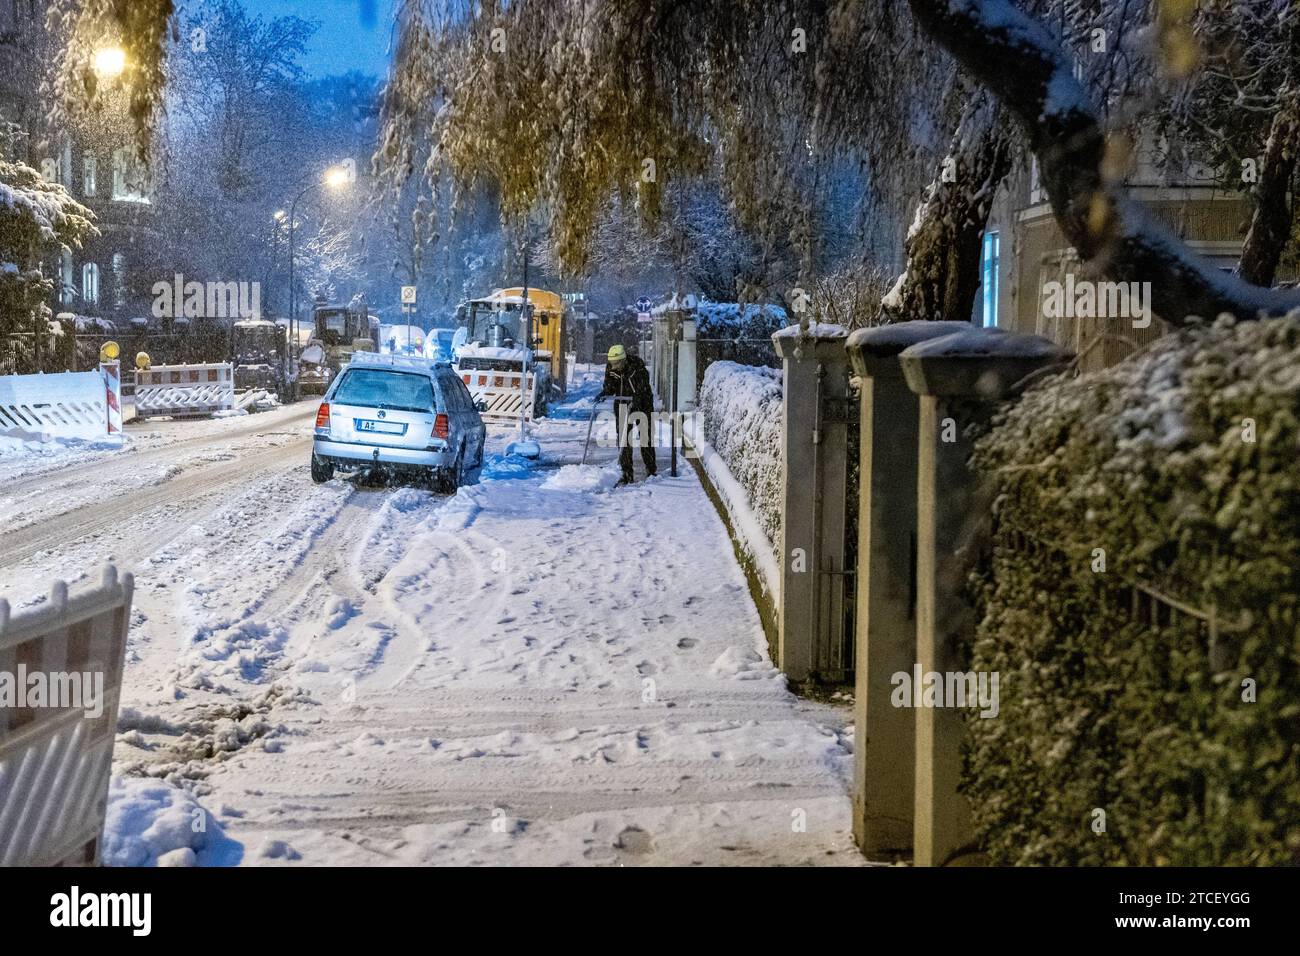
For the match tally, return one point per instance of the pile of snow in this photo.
(15, 444)
(152, 823)
(526, 448)
(582, 478)
(740, 407)
(743, 663)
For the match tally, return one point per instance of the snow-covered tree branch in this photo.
(1024, 66)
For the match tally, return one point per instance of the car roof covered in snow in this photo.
(417, 363)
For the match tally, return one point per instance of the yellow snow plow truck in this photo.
(489, 351)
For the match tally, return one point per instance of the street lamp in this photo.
(335, 177)
(109, 62)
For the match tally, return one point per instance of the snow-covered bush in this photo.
(741, 416)
(36, 217)
(1176, 470)
(728, 331)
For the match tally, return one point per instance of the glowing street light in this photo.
(109, 62)
(336, 177)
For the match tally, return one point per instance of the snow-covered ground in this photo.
(539, 669)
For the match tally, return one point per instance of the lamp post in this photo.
(525, 318)
(273, 277)
(336, 177)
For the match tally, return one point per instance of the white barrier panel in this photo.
(56, 749)
(63, 405)
(179, 390)
(500, 391)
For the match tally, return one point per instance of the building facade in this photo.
(111, 275)
(1028, 267)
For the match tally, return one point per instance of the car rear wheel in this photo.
(321, 470)
(447, 480)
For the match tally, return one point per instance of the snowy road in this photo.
(539, 669)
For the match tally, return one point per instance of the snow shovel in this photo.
(587, 444)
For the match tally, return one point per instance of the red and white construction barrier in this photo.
(500, 392)
(184, 390)
(112, 372)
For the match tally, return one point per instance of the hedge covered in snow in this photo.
(728, 331)
(740, 412)
(731, 320)
(1182, 465)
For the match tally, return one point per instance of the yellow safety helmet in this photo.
(142, 360)
(617, 353)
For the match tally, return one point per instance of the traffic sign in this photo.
(642, 304)
(408, 295)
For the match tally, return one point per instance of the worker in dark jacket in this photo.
(627, 381)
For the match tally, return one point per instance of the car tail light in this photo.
(323, 416)
(440, 427)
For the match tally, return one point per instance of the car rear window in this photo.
(380, 388)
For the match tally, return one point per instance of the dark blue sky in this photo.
(353, 34)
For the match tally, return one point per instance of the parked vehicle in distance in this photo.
(401, 415)
(439, 345)
(259, 349)
(338, 333)
(500, 330)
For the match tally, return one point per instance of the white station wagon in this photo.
(402, 415)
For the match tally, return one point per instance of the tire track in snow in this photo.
(106, 465)
(121, 514)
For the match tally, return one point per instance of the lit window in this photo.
(90, 283)
(990, 261)
(129, 179)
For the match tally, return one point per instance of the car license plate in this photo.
(386, 428)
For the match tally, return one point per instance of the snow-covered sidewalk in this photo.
(542, 669)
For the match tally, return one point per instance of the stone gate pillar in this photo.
(884, 757)
(954, 376)
(814, 455)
